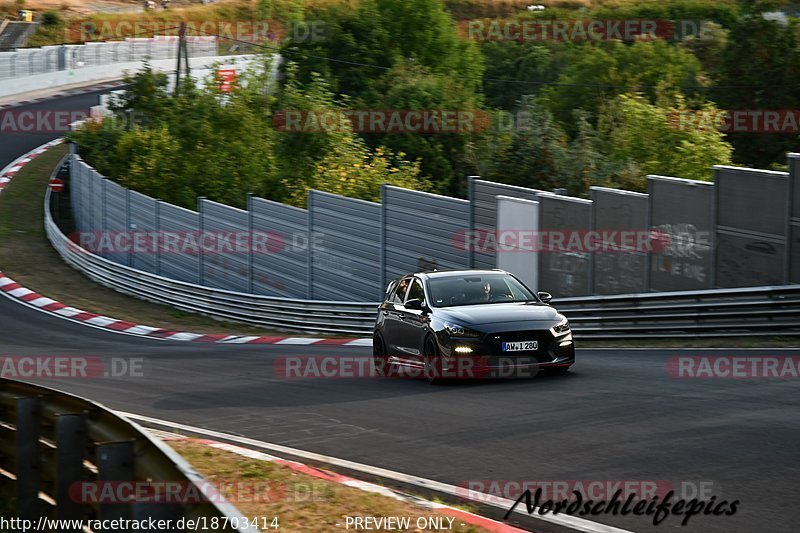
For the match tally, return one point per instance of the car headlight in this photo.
(456, 330)
(560, 328)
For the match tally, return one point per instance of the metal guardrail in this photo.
(742, 312)
(52, 440)
(755, 311)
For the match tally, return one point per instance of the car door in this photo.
(392, 316)
(413, 324)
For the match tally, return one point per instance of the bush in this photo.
(52, 18)
(203, 143)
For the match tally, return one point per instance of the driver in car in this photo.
(487, 292)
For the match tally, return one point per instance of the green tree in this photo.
(537, 155)
(352, 169)
(299, 152)
(199, 143)
(602, 71)
(443, 154)
(527, 67)
(589, 165)
(404, 55)
(145, 98)
(643, 138)
(708, 45)
(761, 71)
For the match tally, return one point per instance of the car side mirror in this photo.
(415, 304)
(546, 297)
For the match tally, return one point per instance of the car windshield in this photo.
(475, 289)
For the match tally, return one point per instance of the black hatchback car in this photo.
(469, 323)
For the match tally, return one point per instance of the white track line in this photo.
(579, 524)
(298, 340)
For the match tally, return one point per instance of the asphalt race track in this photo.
(618, 416)
(12, 145)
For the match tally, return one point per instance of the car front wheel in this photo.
(433, 361)
(380, 359)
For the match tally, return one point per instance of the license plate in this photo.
(520, 346)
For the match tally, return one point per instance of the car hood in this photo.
(479, 315)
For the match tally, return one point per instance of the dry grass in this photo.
(301, 502)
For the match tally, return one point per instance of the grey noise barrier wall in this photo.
(226, 264)
(284, 271)
(116, 217)
(752, 208)
(143, 213)
(78, 195)
(345, 247)
(683, 212)
(483, 212)
(565, 273)
(623, 269)
(175, 264)
(744, 230)
(98, 201)
(794, 220)
(421, 232)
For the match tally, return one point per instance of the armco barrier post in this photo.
(471, 196)
(104, 211)
(62, 57)
(28, 461)
(250, 240)
(793, 222)
(71, 443)
(115, 463)
(158, 232)
(382, 278)
(128, 228)
(90, 179)
(310, 251)
(201, 275)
